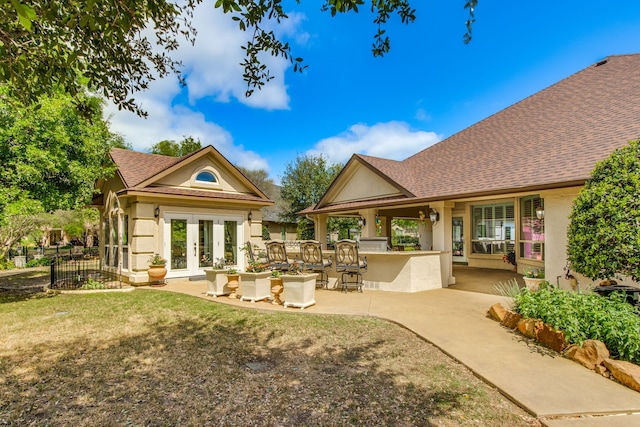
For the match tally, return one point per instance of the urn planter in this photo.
(157, 273)
(276, 290)
(217, 282)
(299, 290)
(255, 286)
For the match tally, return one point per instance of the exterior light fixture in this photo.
(156, 212)
(249, 216)
(540, 212)
(362, 222)
(434, 216)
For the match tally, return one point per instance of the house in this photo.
(191, 210)
(505, 184)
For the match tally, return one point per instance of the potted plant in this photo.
(157, 269)
(217, 279)
(276, 286)
(255, 282)
(233, 281)
(299, 287)
(533, 277)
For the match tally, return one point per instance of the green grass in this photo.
(164, 359)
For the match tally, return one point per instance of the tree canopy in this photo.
(176, 149)
(604, 233)
(51, 158)
(118, 47)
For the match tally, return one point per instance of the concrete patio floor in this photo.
(556, 390)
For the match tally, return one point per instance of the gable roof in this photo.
(141, 171)
(551, 139)
(135, 167)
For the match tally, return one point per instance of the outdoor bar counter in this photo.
(401, 271)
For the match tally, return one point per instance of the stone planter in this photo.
(299, 290)
(255, 286)
(157, 273)
(216, 282)
(20, 261)
(532, 283)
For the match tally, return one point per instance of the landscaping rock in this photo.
(497, 312)
(529, 327)
(603, 371)
(590, 355)
(625, 372)
(551, 338)
(511, 319)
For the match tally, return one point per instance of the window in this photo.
(206, 176)
(531, 229)
(493, 229)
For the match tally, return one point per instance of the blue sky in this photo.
(427, 88)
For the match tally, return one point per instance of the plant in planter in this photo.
(299, 287)
(217, 279)
(276, 286)
(157, 269)
(233, 281)
(533, 277)
(255, 282)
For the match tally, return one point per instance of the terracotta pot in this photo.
(157, 273)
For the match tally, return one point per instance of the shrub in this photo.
(583, 316)
(604, 233)
(42, 262)
(92, 284)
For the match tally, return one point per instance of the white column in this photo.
(369, 229)
(442, 239)
(321, 228)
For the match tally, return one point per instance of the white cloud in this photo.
(390, 140)
(213, 72)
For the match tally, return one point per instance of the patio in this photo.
(555, 389)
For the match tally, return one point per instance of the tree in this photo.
(51, 44)
(51, 157)
(604, 233)
(303, 184)
(171, 148)
(260, 178)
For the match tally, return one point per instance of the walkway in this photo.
(556, 390)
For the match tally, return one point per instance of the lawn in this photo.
(157, 358)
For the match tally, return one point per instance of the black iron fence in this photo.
(82, 271)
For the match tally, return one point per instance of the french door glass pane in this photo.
(178, 244)
(205, 240)
(231, 242)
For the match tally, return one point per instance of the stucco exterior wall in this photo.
(400, 271)
(363, 184)
(558, 205)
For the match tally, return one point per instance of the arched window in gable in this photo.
(206, 176)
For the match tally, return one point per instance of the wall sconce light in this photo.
(362, 222)
(540, 212)
(156, 212)
(249, 216)
(434, 216)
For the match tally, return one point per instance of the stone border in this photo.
(593, 354)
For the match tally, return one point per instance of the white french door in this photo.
(193, 242)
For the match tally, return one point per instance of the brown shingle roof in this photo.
(136, 167)
(551, 139)
(218, 195)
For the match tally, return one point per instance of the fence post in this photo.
(53, 272)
